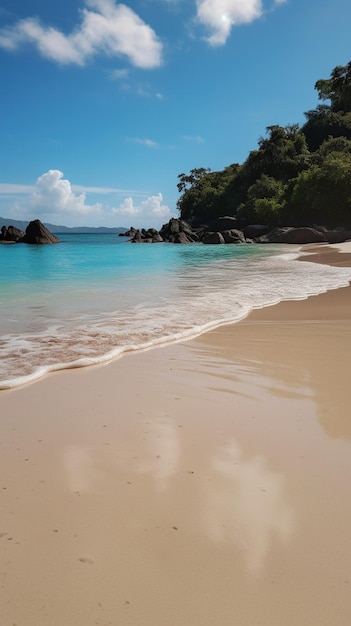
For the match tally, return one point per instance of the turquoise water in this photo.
(93, 297)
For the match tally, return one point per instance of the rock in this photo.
(255, 230)
(131, 232)
(182, 238)
(136, 236)
(179, 231)
(174, 227)
(14, 234)
(11, 234)
(292, 235)
(145, 236)
(233, 236)
(227, 222)
(213, 238)
(339, 235)
(37, 233)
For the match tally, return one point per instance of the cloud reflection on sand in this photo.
(80, 467)
(231, 498)
(161, 452)
(248, 506)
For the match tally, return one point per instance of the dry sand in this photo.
(205, 483)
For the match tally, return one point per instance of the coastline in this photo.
(177, 484)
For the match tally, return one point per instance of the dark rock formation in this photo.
(293, 235)
(37, 233)
(11, 234)
(182, 237)
(224, 223)
(255, 230)
(179, 231)
(233, 236)
(338, 235)
(145, 236)
(213, 238)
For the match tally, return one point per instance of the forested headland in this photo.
(296, 177)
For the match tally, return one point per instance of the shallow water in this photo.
(93, 297)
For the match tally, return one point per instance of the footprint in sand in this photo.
(86, 559)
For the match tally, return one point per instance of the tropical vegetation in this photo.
(297, 175)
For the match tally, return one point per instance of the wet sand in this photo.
(202, 483)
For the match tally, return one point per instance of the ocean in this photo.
(93, 298)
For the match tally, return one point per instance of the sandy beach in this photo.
(199, 484)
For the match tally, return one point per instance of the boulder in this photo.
(14, 234)
(292, 235)
(227, 222)
(213, 238)
(182, 238)
(255, 230)
(136, 236)
(233, 236)
(145, 236)
(339, 235)
(173, 227)
(37, 233)
(11, 234)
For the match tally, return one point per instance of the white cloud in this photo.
(119, 74)
(9, 189)
(219, 16)
(54, 199)
(145, 142)
(14, 189)
(193, 138)
(150, 208)
(110, 28)
(53, 194)
(106, 190)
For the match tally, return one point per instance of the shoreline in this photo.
(318, 253)
(176, 485)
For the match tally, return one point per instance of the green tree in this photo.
(332, 144)
(323, 123)
(295, 176)
(332, 119)
(337, 88)
(281, 155)
(265, 201)
(203, 192)
(322, 195)
(189, 181)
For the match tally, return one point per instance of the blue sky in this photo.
(104, 103)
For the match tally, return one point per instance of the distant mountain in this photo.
(53, 228)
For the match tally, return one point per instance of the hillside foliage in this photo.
(296, 176)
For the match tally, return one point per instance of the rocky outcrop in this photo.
(233, 236)
(144, 236)
(338, 235)
(211, 238)
(255, 230)
(228, 222)
(179, 231)
(293, 235)
(11, 234)
(37, 233)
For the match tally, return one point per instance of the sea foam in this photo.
(85, 303)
